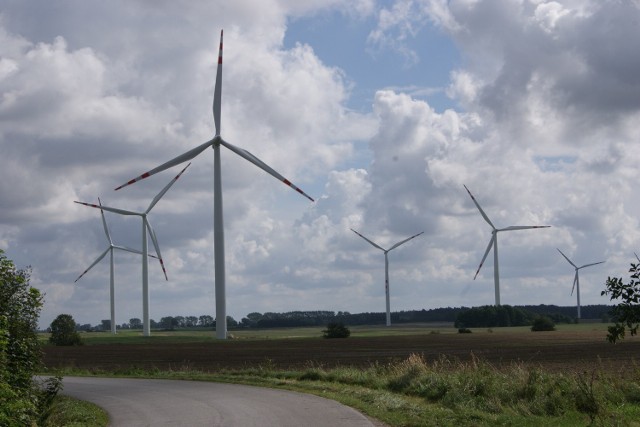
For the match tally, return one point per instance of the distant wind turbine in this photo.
(386, 267)
(576, 279)
(146, 227)
(494, 243)
(218, 226)
(110, 249)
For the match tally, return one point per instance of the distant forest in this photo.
(486, 316)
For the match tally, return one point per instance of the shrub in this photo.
(63, 331)
(336, 330)
(543, 323)
(464, 331)
(21, 400)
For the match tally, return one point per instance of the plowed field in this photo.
(557, 351)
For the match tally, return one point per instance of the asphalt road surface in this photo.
(140, 402)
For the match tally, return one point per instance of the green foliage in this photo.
(627, 312)
(464, 331)
(447, 392)
(22, 402)
(490, 316)
(543, 323)
(63, 331)
(336, 330)
(66, 411)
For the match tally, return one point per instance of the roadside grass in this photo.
(68, 412)
(446, 392)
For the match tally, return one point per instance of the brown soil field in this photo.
(555, 351)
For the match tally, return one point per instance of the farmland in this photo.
(572, 347)
(405, 375)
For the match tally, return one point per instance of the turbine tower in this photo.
(110, 249)
(146, 227)
(218, 224)
(386, 267)
(494, 243)
(576, 279)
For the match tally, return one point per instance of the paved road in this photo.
(139, 402)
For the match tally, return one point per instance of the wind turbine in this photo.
(494, 243)
(146, 226)
(110, 249)
(576, 279)
(386, 266)
(218, 225)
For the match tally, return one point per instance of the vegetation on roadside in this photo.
(23, 402)
(68, 412)
(627, 313)
(447, 392)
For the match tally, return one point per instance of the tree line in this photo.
(487, 316)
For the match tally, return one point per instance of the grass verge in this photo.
(69, 412)
(447, 392)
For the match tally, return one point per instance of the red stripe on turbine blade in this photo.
(220, 52)
(286, 181)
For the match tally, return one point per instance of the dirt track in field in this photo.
(558, 351)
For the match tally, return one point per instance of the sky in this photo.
(380, 110)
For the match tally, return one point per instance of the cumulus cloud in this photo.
(543, 133)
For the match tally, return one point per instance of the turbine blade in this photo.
(104, 224)
(575, 280)
(379, 247)
(108, 209)
(262, 165)
(154, 239)
(589, 265)
(165, 189)
(135, 251)
(404, 241)
(493, 238)
(523, 227)
(94, 263)
(565, 257)
(175, 161)
(217, 95)
(484, 215)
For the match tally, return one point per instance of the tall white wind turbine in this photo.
(576, 278)
(110, 249)
(494, 243)
(218, 226)
(146, 227)
(386, 267)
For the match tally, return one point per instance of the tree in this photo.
(168, 322)
(105, 324)
(21, 400)
(205, 321)
(336, 330)
(627, 313)
(135, 323)
(63, 331)
(191, 321)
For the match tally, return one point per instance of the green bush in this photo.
(336, 330)
(543, 323)
(22, 402)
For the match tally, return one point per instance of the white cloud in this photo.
(545, 134)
